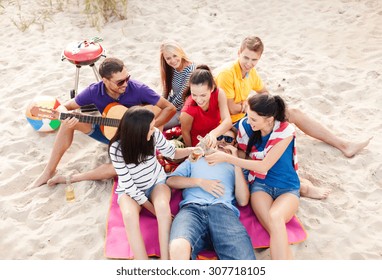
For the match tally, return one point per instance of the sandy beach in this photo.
(324, 57)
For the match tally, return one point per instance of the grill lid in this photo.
(84, 52)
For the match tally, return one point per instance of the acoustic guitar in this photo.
(108, 122)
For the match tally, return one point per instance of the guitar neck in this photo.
(91, 119)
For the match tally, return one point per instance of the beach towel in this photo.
(117, 246)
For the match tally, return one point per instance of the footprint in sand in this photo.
(376, 175)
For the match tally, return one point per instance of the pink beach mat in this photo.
(117, 246)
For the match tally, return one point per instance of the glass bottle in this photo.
(69, 190)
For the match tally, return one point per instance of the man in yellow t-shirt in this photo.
(241, 77)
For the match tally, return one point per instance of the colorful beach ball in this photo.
(42, 122)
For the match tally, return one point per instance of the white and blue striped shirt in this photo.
(135, 179)
(179, 85)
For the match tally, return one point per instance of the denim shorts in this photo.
(149, 190)
(273, 192)
(213, 226)
(97, 134)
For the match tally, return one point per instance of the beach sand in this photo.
(324, 57)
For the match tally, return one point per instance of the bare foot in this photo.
(42, 179)
(308, 190)
(58, 179)
(352, 148)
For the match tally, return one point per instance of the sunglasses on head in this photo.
(227, 139)
(121, 82)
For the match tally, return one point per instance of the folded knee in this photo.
(130, 217)
(162, 208)
(293, 114)
(275, 218)
(180, 249)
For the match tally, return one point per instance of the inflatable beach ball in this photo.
(40, 111)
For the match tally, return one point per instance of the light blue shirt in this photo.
(224, 172)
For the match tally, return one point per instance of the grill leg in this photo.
(86, 108)
(96, 74)
(91, 108)
(73, 92)
(78, 67)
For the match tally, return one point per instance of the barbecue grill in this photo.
(84, 53)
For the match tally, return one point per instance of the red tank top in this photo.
(204, 121)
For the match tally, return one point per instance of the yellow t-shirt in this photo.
(230, 80)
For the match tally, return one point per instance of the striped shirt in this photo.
(134, 179)
(179, 85)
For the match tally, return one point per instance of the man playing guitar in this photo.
(116, 86)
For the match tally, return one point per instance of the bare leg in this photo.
(282, 210)
(61, 144)
(59, 179)
(316, 130)
(102, 172)
(352, 148)
(307, 189)
(161, 196)
(130, 212)
(273, 215)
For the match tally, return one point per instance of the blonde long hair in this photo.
(167, 71)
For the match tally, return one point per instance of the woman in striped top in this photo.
(140, 176)
(176, 69)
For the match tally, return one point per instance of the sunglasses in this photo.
(121, 82)
(227, 139)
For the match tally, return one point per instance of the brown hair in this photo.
(110, 66)
(252, 43)
(201, 75)
(265, 105)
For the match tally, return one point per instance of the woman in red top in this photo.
(205, 110)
